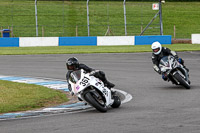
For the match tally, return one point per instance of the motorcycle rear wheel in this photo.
(95, 103)
(182, 81)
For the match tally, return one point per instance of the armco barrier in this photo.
(9, 42)
(83, 41)
(77, 41)
(195, 38)
(148, 40)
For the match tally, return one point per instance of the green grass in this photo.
(22, 97)
(91, 49)
(58, 18)
(184, 15)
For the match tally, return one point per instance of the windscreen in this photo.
(164, 61)
(75, 76)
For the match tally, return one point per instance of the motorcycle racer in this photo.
(73, 64)
(158, 52)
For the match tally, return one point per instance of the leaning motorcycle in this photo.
(174, 71)
(93, 91)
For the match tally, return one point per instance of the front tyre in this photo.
(182, 81)
(90, 98)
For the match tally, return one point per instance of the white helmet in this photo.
(156, 47)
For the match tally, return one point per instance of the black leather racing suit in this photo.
(97, 74)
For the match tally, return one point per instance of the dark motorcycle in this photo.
(174, 71)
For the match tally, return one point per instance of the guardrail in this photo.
(83, 41)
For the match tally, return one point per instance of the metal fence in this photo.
(28, 18)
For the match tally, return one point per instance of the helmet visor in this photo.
(70, 67)
(156, 50)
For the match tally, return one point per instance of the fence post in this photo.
(160, 14)
(125, 16)
(36, 18)
(76, 30)
(141, 28)
(11, 30)
(88, 21)
(174, 32)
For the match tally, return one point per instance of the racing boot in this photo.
(181, 61)
(101, 75)
(109, 84)
(164, 77)
(80, 99)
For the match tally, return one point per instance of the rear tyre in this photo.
(182, 81)
(117, 102)
(95, 103)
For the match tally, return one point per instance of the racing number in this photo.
(84, 81)
(105, 92)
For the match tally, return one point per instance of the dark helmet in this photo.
(72, 63)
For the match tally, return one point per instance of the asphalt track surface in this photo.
(156, 107)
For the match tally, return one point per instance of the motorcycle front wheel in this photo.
(90, 98)
(182, 81)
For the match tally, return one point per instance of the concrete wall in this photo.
(77, 41)
(9, 42)
(148, 40)
(115, 40)
(195, 38)
(38, 41)
(82, 41)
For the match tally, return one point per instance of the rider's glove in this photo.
(181, 61)
(176, 57)
(70, 90)
(157, 69)
(164, 77)
(72, 93)
(93, 72)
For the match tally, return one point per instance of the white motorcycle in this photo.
(92, 90)
(175, 71)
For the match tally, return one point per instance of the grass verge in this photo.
(22, 97)
(91, 49)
